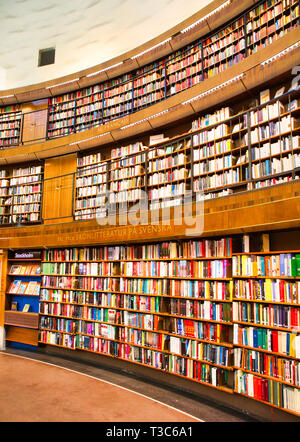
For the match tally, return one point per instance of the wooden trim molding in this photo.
(266, 209)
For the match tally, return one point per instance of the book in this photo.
(14, 286)
(14, 306)
(22, 288)
(265, 242)
(264, 96)
(26, 308)
(31, 287)
(279, 92)
(15, 269)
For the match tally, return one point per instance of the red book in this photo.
(281, 290)
(275, 340)
(255, 393)
(259, 389)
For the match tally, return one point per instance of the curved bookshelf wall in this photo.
(97, 105)
(147, 295)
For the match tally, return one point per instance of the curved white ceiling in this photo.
(84, 32)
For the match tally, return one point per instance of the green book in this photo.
(293, 266)
(259, 339)
(297, 265)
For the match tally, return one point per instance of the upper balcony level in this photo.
(162, 82)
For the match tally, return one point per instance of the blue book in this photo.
(255, 338)
(282, 266)
(263, 270)
(179, 326)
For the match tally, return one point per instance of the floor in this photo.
(44, 388)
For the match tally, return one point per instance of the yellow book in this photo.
(218, 333)
(244, 266)
(292, 345)
(268, 287)
(230, 290)
(254, 268)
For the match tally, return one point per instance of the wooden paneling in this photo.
(264, 209)
(22, 335)
(20, 319)
(58, 189)
(35, 125)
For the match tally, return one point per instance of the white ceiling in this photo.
(84, 32)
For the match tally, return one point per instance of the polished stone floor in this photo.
(45, 388)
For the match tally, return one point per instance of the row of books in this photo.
(214, 165)
(13, 141)
(276, 165)
(121, 284)
(225, 178)
(58, 324)
(214, 290)
(267, 390)
(215, 354)
(57, 338)
(25, 269)
(269, 265)
(19, 287)
(287, 370)
(279, 147)
(201, 310)
(281, 316)
(198, 371)
(275, 341)
(202, 248)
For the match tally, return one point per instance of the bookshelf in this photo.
(91, 187)
(169, 174)
(224, 48)
(227, 150)
(184, 68)
(127, 302)
(214, 53)
(266, 327)
(22, 297)
(127, 175)
(21, 195)
(10, 129)
(116, 182)
(269, 21)
(211, 311)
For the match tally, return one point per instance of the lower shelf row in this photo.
(269, 391)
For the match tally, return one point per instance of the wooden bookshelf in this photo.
(10, 129)
(266, 335)
(21, 192)
(23, 290)
(248, 34)
(136, 308)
